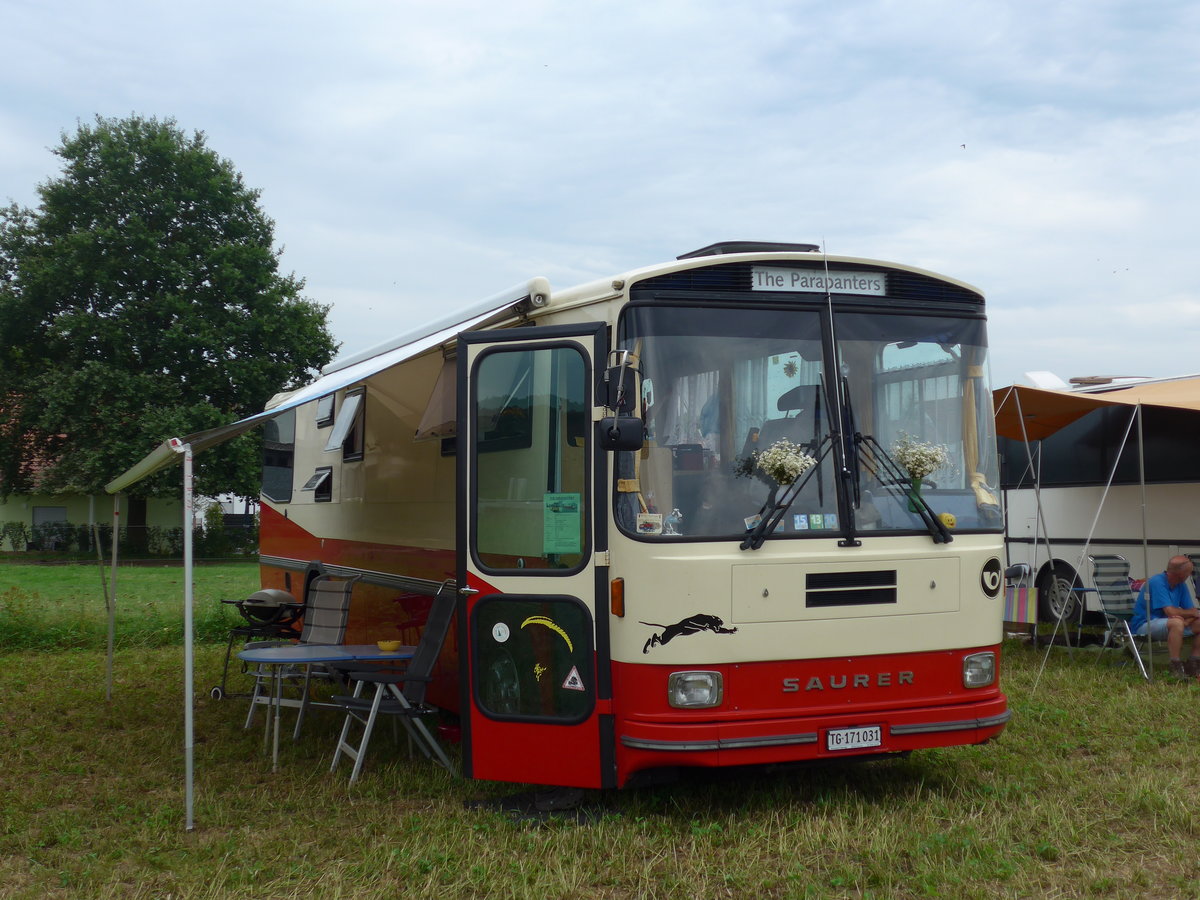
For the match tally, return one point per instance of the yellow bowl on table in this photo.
(388, 646)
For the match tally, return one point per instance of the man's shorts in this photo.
(1158, 629)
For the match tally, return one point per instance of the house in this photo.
(62, 521)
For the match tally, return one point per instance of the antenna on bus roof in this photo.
(723, 247)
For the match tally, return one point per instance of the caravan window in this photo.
(348, 429)
(321, 484)
(324, 414)
(279, 443)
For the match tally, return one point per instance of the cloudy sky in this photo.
(419, 156)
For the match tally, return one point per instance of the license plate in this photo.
(853, 738)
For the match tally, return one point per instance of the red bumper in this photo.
(784, 711)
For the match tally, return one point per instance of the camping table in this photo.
(308, 654)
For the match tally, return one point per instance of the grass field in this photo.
(1086, 794)
(45, 607)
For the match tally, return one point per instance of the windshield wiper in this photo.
(889, 474)
(776, 507)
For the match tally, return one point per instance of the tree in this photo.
(142, 299)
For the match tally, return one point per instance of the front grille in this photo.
(822, 589)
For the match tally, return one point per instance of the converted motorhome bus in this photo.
(636, 592)
(1091, 473)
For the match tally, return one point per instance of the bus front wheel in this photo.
(1057, 597)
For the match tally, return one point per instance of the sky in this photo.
(420, 156)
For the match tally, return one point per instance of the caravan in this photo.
(671, 504)
(1115, 466)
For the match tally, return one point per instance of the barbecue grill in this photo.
(270, 614)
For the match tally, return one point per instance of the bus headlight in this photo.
(979, 670)
(691, 690)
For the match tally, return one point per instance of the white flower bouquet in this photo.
(785, 461)
(919, 458)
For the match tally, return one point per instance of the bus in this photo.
(1109, 484)
(680, 509)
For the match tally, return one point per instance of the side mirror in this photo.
(620, 388)
(621, 433)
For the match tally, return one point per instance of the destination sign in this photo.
(774, 278)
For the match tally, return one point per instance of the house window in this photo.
(321, 484)
(325, 411)
(348, 429)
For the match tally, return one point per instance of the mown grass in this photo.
(46, 607)
(1086, 794)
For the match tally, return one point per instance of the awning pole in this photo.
(112, 608)
(188, 676)
(1145, 545)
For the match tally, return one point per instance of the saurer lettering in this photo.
(841, 682)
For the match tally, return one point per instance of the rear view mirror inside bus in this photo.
(621, 433)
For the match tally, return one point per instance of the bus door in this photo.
(532, 508)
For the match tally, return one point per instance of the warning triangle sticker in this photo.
(574, 682)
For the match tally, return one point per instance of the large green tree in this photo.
(142, 299)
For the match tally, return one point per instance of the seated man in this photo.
(1173, 614)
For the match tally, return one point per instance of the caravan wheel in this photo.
(1055, 595)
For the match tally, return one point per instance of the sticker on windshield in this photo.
(649, 523)
(800, 522)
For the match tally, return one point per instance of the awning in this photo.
(440, 418)
(1045, 411)
(343, 373)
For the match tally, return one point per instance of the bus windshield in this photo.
(743, 414)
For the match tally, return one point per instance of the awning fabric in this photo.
(440, 417)
(337, 375)
(1046, 411)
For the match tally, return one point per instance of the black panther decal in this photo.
(690, 625)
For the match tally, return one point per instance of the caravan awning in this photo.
(1045, 412)
(343, 373)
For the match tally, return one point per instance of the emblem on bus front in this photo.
(990, 578)
(691, 625)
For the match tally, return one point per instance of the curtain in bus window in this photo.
(978, 423)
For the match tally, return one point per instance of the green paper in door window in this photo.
(560, 523)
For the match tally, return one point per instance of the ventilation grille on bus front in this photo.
(849, 588)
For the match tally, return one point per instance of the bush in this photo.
(15, 534)
(215, 540)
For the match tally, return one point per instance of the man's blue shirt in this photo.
(1161, 595)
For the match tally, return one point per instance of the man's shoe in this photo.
(1177, 669)
(1192, 666)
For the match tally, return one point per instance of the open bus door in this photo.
(532, 522)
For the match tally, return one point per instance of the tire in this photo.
(1067, 601)
(217, 694)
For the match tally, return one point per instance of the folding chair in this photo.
(407, 703)
(326, 609)
(1110, 574)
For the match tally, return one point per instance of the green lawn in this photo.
(62, 606)
(1084, 795)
